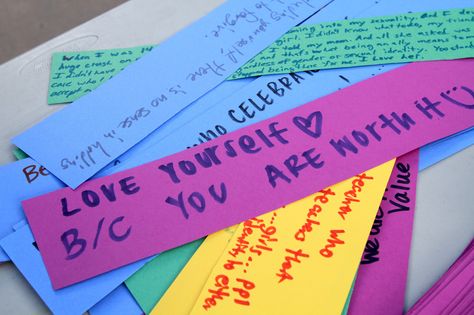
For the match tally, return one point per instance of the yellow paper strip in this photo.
(300, 259)
(181, 296)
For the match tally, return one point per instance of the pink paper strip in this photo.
(115, 220)
(385, 258)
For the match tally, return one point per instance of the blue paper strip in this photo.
(119, 301)
(434, 152)
(75, 299)
(83, 138)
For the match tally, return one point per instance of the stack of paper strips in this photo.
(297, 251)
(225, 45)
(453, 293)
(270, 169)
(191, 187)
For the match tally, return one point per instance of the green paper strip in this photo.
(19, 154)
(74, 74)
(345, 310)
(437, 35)
(149, 283)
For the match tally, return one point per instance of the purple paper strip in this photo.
(381, 279)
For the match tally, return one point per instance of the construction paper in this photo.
(215, 118)
(386, 253)
(78, 141)
(21, 180)
(30, 181)
(453, 293)
(434, 35)
(184, 291)
(119, 301)
(181, 195)
(434, 152)
(209, 116)
(345, 310)
(19, 154)
(76, 299)
(302, 256)
(19, 224)
(74, 74)
(149, 283)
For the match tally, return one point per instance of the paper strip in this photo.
(328, 139)
(210, 116)
(435, 35)
(453, 292)
(434, 152)
(301, 257)
(119, 301)
(345, 310)
(19, 154)
(73, 300)
(74, 74)
(149, 283)
(386, 253)
(78, 141)
(184, 291)
(29, 179)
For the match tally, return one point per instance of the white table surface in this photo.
(444, 213)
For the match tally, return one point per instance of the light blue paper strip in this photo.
(433, 153)
(72, 300)
(84, 137)
(185, 129)
(15, 187)
(119, 301)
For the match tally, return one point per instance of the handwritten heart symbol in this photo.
(311, 125)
